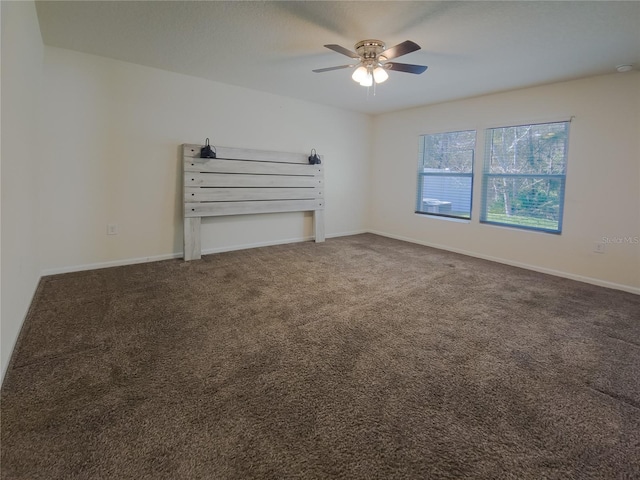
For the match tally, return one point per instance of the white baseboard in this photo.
(208, 251)
(347, 234)
(6, 364)
(549, 271)
(169, 256)
(111, 263)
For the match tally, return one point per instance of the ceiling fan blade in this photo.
(401, 49)
(328, 69)
(405, 67)
(343, 51)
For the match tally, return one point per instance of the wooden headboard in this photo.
(241, 181)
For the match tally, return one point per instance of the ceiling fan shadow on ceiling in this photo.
(373, 61)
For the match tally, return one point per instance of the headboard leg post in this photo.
(192, 238)
(318, 225)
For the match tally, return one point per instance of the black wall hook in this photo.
(207, 151)
(314, 159)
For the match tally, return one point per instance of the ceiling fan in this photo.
(373, 60)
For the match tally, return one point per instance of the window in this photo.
(445, 174)
(524, 176)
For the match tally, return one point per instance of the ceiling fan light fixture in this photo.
(367, 81)
(359, 74)
(380, 75)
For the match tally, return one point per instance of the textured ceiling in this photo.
(471, 48)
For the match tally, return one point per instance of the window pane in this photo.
(448, 195)
(524, 176)
(528, 149)
(525, 202)
(445, 174)
(450, 151)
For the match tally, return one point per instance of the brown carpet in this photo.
(360, 358)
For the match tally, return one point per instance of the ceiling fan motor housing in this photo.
(370, 50)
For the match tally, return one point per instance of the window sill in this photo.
(522, 228)
(438, 217)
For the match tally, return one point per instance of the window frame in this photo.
(486, 175)
(421, 174)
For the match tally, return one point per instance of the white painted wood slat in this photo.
(216, 165)
(247, 154)
(242, 180)
(217, 209)
(198, 194)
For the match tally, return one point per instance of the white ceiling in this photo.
(471, 48)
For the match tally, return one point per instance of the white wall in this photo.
(22, 53)
(112, 134)
(107, 150)
(602, 190)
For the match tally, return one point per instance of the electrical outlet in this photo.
(598, 247)
(112, 229)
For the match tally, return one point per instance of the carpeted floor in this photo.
(360, 358)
